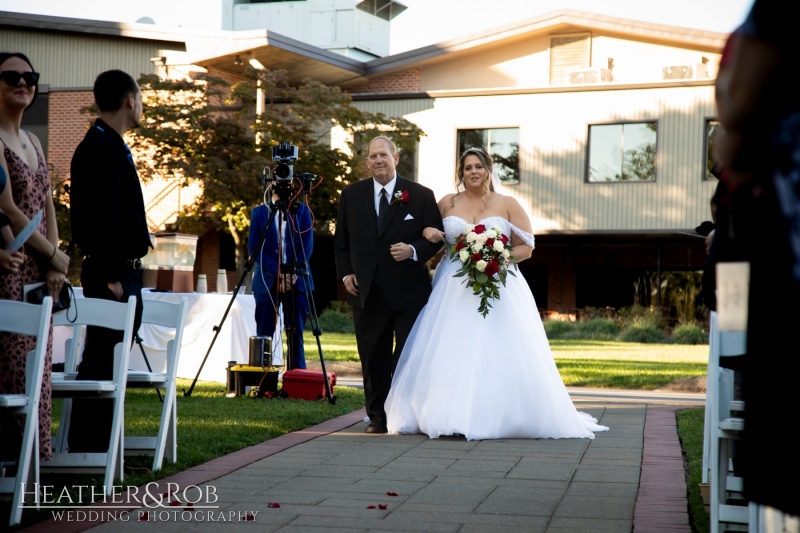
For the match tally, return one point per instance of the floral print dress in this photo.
(30, 190)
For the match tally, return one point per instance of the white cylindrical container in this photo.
(202, 284)
(222, 281)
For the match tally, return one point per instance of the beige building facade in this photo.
(600, 125)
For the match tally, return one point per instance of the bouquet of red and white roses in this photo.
(485, 255)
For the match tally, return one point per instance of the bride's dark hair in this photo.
(486, 161)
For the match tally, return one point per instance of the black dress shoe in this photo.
(375, 427)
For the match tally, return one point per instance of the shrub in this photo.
(342, 307)
(335, 322)
(638, 314)
(598, 329)
(689, 334)
(557, 329)
(645, 332)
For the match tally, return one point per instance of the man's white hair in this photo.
(392, 146)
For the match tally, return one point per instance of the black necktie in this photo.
(383, 209)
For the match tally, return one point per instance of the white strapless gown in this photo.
(485, 378)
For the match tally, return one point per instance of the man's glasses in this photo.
(12, 77)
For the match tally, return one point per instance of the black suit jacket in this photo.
(107, 209)
(361, 248)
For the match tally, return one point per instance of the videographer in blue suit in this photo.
(297, 243)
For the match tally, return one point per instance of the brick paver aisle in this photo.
(327, 481)
(442, 485)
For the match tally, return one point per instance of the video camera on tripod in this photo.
(285, 154)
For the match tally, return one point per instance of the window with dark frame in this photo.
(622, 152)
(501, 143)
(712, 125)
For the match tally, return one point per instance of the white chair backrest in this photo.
(29, 319)
(170, 315)
(162, 313)
(94, 312)
(24, 318)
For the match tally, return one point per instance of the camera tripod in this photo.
(278, 207)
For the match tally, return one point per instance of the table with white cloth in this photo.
(203, 312)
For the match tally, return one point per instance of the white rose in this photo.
(497, 230)
(481, 238)
(491, 234)
(469, 228)
(477, 247)
(498, 246)
(472, 236)
(506, 254)
(481, 265)
(463, 255)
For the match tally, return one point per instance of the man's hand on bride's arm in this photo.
(433, 234)
(351, 284)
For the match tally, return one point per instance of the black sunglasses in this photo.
(12, 77)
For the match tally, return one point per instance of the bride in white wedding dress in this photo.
(484, 378)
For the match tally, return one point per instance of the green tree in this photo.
(207, 129)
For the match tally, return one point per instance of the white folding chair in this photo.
(26, 319)
(722, 427)
(170, 315)
(107, 314)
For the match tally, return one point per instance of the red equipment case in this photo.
(307, 384)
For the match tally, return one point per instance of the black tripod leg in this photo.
(138, 340)
(218, 328)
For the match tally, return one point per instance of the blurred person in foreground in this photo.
(109, 226)
(760, 150)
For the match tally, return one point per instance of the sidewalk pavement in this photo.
(334, 477)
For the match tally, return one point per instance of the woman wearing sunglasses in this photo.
(26, 193)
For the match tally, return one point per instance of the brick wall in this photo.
(407, 81)
(66, 127)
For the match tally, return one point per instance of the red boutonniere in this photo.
(401, 196)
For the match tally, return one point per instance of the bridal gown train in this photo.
(485, 378)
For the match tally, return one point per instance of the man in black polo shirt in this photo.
(109, 227)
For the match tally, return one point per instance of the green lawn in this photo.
(585, 363)
(690, 431)
(209, 426)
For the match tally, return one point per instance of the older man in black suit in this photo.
(380, 257)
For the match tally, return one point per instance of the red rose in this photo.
(492, 268)
(476, 257)
(460, 245)
(504, 239)
(480, 228)
(489, 242)
(404, 197)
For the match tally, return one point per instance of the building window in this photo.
(501, 143)
(406, 167)
(622, 152)
(567, 53)
(712, 125)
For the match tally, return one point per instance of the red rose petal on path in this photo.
(382, 506)
(144, 517)
(273, 505)
(189, 504)
(370, 507)
(247, 517)
(391, 494)
(174, 503)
